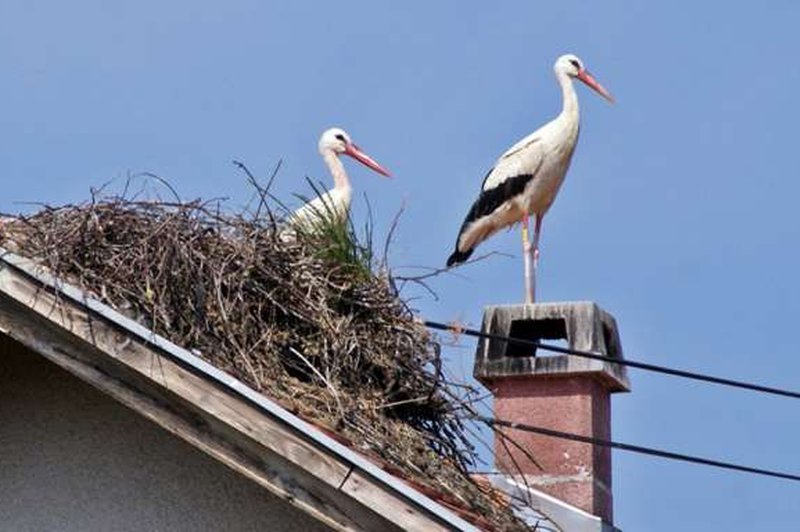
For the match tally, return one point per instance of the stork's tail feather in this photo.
(458, 257)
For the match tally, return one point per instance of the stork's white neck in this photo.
(340, 179)
(570, 110)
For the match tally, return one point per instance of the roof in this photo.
(208, 408)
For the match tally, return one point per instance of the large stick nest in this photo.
(303, 320)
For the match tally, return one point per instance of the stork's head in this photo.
(337, 140)
(572, 66)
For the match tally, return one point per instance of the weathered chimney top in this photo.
(584, 326)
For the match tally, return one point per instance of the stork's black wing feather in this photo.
(489, 201)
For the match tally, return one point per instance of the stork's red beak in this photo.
(587, 78)
(355, 152)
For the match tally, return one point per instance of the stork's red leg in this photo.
(526, 255)
(537, 228)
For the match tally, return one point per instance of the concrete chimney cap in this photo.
(582, 324)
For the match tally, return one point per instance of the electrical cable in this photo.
(634, 448)
(621, 361)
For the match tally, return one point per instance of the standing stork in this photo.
(526, 178)
(335, 203)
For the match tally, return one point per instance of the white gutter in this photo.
(563, 515)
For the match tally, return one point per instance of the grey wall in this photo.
(72, 459)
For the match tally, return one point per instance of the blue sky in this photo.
(678, 215)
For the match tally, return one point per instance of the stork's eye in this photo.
(341, 137)
(575, 63)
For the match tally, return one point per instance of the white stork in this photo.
(526, 178)
(335, 202)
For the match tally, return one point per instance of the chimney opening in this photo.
(550, 330)
(612, 349)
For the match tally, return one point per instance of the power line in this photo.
(634, 448)
(623, 362)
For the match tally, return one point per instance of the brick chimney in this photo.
(561, 392)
